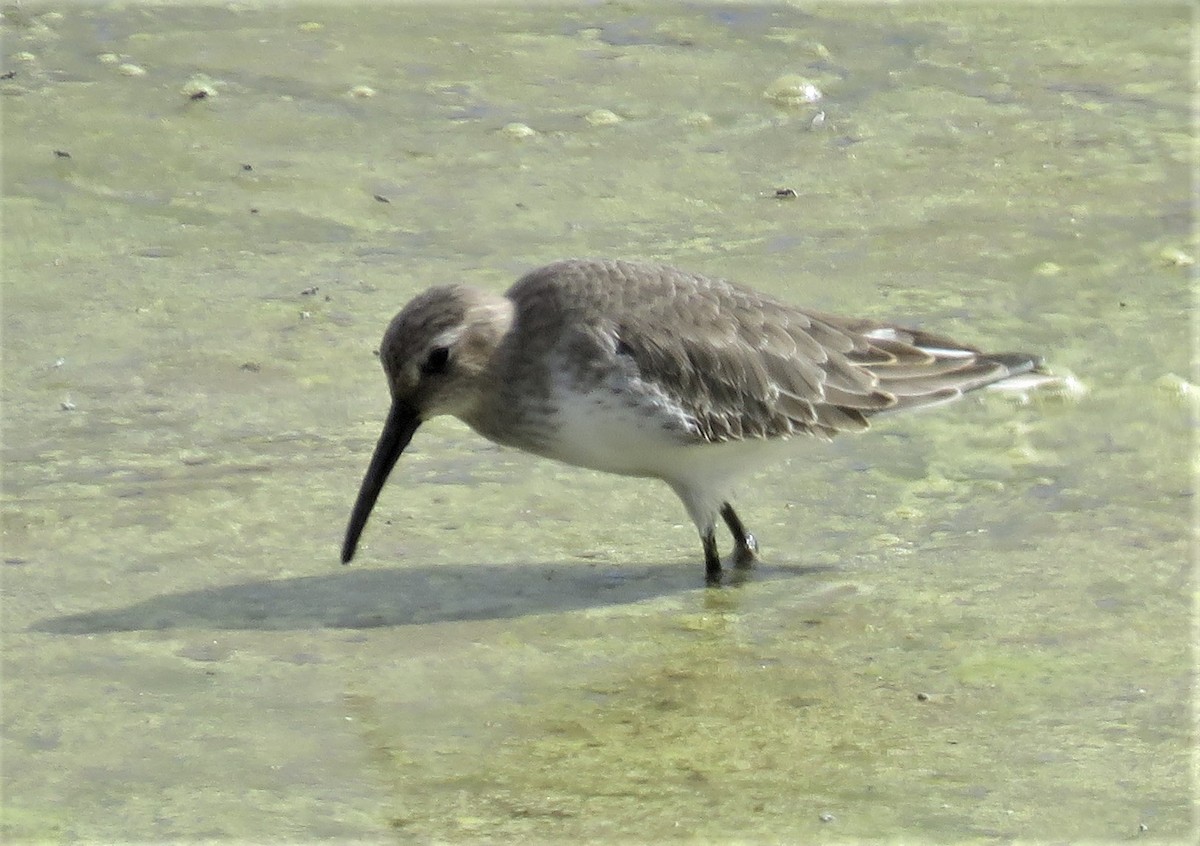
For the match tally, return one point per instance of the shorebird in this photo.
(647, 370)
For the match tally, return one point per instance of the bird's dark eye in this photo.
(436, 361)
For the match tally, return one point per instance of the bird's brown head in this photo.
(436, 354)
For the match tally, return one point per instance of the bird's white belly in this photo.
(603, 430)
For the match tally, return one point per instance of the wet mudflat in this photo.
(971, 624)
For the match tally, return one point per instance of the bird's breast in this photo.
(617, 428)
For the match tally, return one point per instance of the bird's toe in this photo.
(744, 554)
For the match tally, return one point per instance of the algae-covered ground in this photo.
(972, 624)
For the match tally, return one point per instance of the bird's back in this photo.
(735, 364)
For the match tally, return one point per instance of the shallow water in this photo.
(971, 624)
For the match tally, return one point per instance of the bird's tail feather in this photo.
(953, 375)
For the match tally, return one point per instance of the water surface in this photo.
(971, 624)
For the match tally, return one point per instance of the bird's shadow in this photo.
(414, 595)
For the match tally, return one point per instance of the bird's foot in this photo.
(745, 550)
(745, 547)
(744, 554)
(734, 568)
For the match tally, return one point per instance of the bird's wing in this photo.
(742, 365)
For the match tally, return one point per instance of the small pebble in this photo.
(362, 91)
(603, 117)
(792, 90)
(826, 817)
(518, 131)
(199, 87)
(1066, 387)
(1175, 257)
(1176, 386)
(130, 69)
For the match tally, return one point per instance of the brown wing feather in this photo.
(743, 365)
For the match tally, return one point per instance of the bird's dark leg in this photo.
(745, 546)
(712, 561)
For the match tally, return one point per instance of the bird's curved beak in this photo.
(402, 422)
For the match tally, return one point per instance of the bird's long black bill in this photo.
(402, 422)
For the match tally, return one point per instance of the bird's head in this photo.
(436, 354)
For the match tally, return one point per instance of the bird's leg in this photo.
(745, 550)
(712, 560)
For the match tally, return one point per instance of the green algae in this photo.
(973, 624)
